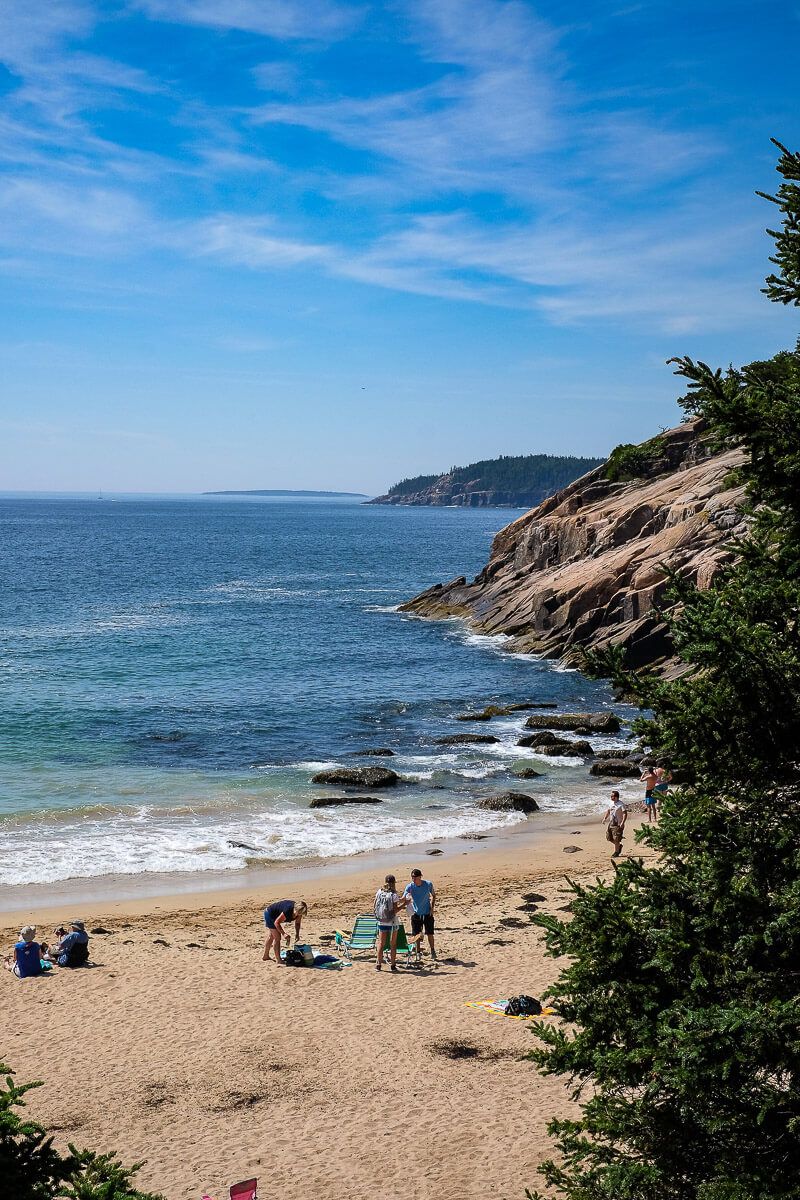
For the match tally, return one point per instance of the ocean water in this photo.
(174, 671)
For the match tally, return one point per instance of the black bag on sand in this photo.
(523, 1006)
(78, 955)
(300, 955)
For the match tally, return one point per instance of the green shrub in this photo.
(31, 1168)
(629, 461)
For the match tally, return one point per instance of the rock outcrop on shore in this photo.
(586, 568)
(509, 802)
(374, 777)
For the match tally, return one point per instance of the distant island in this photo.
(286, 492)
(511, 481)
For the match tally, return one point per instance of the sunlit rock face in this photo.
(586, 567)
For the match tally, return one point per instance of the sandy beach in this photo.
(182, 1048)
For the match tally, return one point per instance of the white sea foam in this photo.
(484, 641)
(136, 842)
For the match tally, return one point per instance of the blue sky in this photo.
(260, 243)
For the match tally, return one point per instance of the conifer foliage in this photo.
(681, 994)
(31, 1168)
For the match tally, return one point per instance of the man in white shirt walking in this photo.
(616, 814)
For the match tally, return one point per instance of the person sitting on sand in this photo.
(72, 950)
(26, 959)
(422, 896)
(387, 906)
(616, 814)
(276, 917)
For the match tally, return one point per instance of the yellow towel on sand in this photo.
(498, 1009)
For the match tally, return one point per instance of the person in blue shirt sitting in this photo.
(27, 957)
(73, 948)
(422, 896)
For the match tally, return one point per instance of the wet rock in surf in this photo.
(243, 846)
(565, 748)
(373, 777)
(434, 851)
(527, 773)
(545, 738)
(332, 801)
(504, 710)
(619, 768)
(627, 755)
(466, 739)
(509, 802)
(577, 722)
(377, 752)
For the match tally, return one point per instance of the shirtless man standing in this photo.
(650, 779)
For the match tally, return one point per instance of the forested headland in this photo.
(515, 481)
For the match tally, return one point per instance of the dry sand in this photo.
(182, 1048)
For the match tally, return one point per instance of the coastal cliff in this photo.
(585, 569)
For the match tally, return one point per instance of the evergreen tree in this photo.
(31, 1168)
(681, 997)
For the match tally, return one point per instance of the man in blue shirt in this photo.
(73, 949)
(421, 895)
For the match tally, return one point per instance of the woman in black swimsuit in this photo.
(276, 917)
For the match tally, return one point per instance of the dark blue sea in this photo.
(175, 670)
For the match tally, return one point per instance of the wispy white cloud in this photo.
(499, 115)
(246, 242)
(58, 87)
(277, 76)
(65, 219)
(281, 19)
(492, 108)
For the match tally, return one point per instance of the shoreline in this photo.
(203, 890)
(198, 1058)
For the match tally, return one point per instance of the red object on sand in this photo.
(248, 1190)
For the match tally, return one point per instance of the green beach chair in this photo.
(363, 937)
(410, 951)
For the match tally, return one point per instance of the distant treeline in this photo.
(508, 473)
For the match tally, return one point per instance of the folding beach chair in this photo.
(363, 937)
(409, 950)
(247, 1190)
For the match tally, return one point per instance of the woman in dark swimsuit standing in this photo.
(276, 917)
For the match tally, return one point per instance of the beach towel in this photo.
(498, 1009)
(324, 962)
(328, 962)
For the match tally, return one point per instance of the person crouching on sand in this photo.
(616, 814)
(276, 917)
(387, 906)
